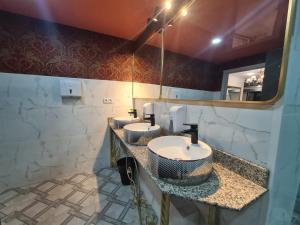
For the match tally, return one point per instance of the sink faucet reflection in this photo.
(151, 118)
(133, 112)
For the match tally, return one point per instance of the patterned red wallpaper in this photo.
(31, 46)
(179, 70)
(246, 61)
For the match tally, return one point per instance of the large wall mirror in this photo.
(233, 55)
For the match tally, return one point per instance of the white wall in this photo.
(242, 132)
(236, 81)
(42, 136)
(191, 94)
(142, 90)
(285, 140)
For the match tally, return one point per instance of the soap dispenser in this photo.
(148, 109)
(177, 118)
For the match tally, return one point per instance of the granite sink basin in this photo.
(120, 122)
(137, 132)
(176, 160)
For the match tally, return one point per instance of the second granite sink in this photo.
(139, 133)
(176, 160)
(120, 122)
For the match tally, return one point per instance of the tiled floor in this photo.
(296, 218)
(83, 199)
(296, 215)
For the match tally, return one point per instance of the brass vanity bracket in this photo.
(112, 161)
(213, 216)
(213, 212)
(164, 209)
(110, 141)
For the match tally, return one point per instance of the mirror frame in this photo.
(246, 104)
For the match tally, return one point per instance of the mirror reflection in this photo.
(147, 69)
(235, 56)
(249, 83)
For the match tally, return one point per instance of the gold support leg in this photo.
(164, 209)
(111, 147)
(212, 215)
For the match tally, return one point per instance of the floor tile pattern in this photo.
(296, 218)
(83, 199)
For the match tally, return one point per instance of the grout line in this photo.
(125, 211)
(29, 206)
(42, 212)
(67, 220)
(25, 219)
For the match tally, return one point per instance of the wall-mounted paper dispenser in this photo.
(70, 88)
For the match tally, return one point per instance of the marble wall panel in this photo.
(43, 136)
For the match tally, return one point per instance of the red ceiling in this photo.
(252, 26)
(120, 18)
(247, 27)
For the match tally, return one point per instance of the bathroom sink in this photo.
(137, 132)
(176, 160)
(120, 122)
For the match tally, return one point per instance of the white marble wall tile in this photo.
(285, 179)
(242, 132)
(34, 160)
(143, 90)
(44, 136)
(184, 93)
(237, 131)
(292, 96)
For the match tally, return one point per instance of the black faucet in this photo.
(151, 118)
(133, 112)
(193, 131)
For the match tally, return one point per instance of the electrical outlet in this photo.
(107, 101)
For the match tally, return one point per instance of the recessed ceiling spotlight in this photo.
(216, 40)
(184, 12)
(168, 5)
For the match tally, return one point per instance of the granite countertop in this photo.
(224, 188)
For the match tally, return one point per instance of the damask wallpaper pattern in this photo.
(179, 70)
(35, 47)
(31, 46)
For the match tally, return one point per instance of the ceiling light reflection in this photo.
(216, 40)
(184, 12)
(168, 5)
